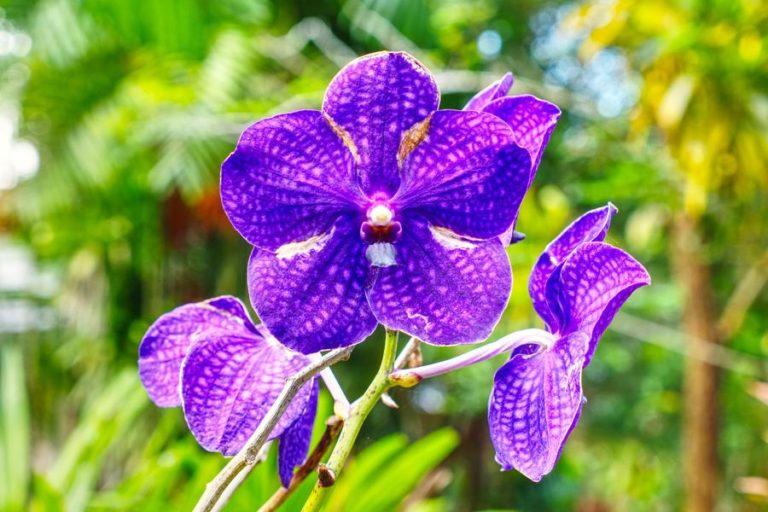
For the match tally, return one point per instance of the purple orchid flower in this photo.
(577, 286)
(532, 121)
(226, 372)
(379, 208)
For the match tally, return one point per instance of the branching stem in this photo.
(332, 429)
(340, 401)
(411, 377)
(359, 411)
(214, 494)
(410, 349)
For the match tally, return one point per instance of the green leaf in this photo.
(363, 468)
(385, 473)
(45, 498)
(108, 419)
(14, 429)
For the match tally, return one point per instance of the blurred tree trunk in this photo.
(477, 481)
(700, 393)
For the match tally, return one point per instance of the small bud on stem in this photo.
(325, 476)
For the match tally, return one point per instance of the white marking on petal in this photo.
(450, 239)
(313, 243)
(423, 319)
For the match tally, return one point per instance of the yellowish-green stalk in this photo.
(357, 416)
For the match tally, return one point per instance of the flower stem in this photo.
(357, 415)
(411, 349)
(411, 377)
(332, 428)
(340, 402)
(218, 490)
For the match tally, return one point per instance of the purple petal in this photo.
(594, 282)
(375, 99)
(234, 307)
(532, 121)
(467, 175)
(313, 298)
(288, 180)
(535, 403)
(229, 383)
(294, 443)
(497, 89)
(166, 342)
(444, 290)
(590, 227)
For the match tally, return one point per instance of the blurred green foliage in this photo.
(132, 105)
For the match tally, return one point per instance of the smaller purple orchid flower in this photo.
(226, 372)
(532, 121)
(577, 286)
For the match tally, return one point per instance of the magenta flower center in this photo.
(380, 226)
(379, 232)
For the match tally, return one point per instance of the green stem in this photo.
(357, 416)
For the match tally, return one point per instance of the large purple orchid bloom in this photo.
(532, 121)
(577, 286)
(226, 372)
(380, 208)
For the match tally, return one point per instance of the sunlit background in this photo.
(116, 114)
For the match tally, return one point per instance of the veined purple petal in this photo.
(535, 403)
(294, 443)
(532, 121)
(467, 175)
(590, 227)
(375, 99)
(594, 282)
(497, 89)
(166, 342)
(444, 290)
(313, 298)
(288, 180)
(236, 310)
(228, 384)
